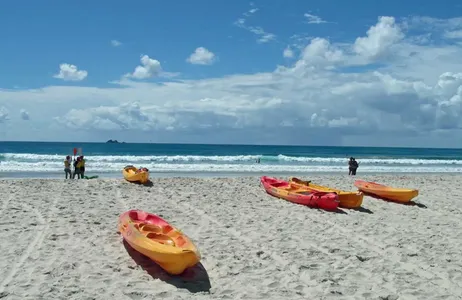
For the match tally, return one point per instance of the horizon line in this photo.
(237, 144)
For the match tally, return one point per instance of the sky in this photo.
(345, 73)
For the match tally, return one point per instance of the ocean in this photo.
(43, 159)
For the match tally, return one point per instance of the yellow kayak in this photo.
(348, 199)
(155, 238)
(133, 174)
(386, 192)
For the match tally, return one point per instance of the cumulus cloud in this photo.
(313, 19)
(332, 93)
(149, 68)
(116, 43)
(24, 115)
(379, 38)
(325, 101)
(70, 72)
(320, 53)
(201, 56)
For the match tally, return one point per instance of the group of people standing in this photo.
(79, 167)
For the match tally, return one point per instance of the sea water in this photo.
(45, 158)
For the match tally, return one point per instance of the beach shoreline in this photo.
(60, 240)
(218, 174)
(223, 160)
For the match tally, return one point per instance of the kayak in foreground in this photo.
(132, 174)
(153, 237)
(294, 193)
(386, 192)
(348, 199)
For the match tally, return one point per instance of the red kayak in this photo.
(296, 194)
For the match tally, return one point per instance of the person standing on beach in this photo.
(350, 166)
(77, 166)
(355, 166)
(67, 167)
(82, 166)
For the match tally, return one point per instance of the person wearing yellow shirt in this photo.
(77, 166)
(67, 167)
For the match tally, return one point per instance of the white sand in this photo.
(58, 240)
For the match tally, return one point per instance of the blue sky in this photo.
(243, 87)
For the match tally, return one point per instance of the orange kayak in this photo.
(386, 192)
(133, 174)
(347, 199)
(284, 190)
(153, 237)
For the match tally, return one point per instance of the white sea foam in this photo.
(31, 157)
(30, 162)
(102, 167)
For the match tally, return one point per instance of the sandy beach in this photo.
(59, 240)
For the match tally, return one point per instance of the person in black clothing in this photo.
(350, 166)
(354, 166)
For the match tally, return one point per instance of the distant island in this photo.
(114, 142)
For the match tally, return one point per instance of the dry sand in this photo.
(59, 240)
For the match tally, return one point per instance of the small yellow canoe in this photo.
(133, 174)
(386, 192)
(348, 199)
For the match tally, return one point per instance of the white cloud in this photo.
(250, 12)
(3, 114)
(333, 93)
(263, 36)
(433, 24)
(312, 19)
(70, 72)
(435, 29)
(116, 43)
(379, 38)
(320, 52)
(24, 115)
(149, 68)
(125, 116)
(456, 34)
(288, 52)
(299, 41)
(201, 56)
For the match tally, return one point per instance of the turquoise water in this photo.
(181, 159)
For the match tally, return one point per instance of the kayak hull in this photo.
(284, 190)
(153, 237)
(348, 199)
(386, 192)
(130, 174)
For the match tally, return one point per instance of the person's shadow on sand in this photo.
(194, 279)
(363, 210)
